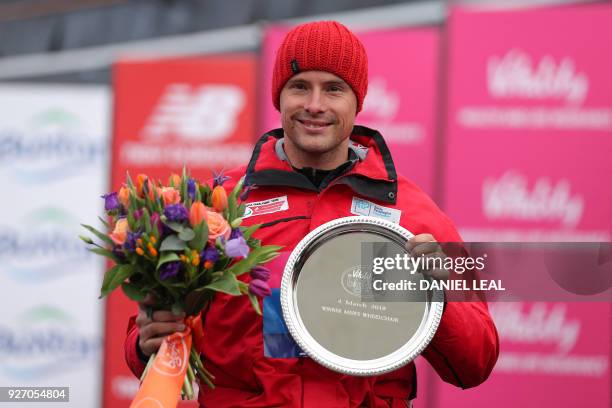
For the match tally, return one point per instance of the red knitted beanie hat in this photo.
(323, 46)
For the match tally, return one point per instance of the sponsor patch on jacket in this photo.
(266, 206)
(360, 206)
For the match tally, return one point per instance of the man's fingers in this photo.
(157, 316)
(419, 239)
(142, 319)
(160, 329)
(426, 248)
(150, 346)
(167, 316)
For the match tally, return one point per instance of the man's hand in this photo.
(427, 246)
(154, 329)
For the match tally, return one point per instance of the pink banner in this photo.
(529, 135)
(530, 125)
(552, 355)
(401, 99)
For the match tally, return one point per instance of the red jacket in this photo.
(463, 351)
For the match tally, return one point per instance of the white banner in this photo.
(54, 143)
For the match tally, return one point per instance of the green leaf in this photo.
(104, 252)
(201, 236)
(237, 188)
(104, 222)
(133, 292)
(87, 240)
(231, 206)
(146, 220)
(183, 189)
(255, 303)
(131, 220)
(257, 256)
(108, 277)
(241, 210)
(98, 234)
(227, 283)
(205, 193)
(186, 234)
(246, 233)
(133, 198)
(115, 277)
(172, 243)
(165, 258)
(244, 287)
(129, 181)
(175, 226)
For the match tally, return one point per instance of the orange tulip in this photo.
(141, 179)
(124, 196)
(197, 213)
(170, 195)
(119, 234)
(175, 180)
(219, 199)
(217, 227)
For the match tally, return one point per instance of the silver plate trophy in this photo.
(333, 309)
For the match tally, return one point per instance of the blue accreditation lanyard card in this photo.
(278, 342)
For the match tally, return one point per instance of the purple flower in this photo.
(219, 178)
(210, 254)
(118, 253)
(176, 213)
(168, 270)
(191, 189)
(137, 214)
(236, 232)
(130, 242)
(261, 273)
(111, 201)
(236, 247)
(259, 288)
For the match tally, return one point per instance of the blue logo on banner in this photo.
(47, 247)
(43, 342)
(53, 148)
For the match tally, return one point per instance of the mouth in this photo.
(314, 125)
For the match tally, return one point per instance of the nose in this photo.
(315, 103)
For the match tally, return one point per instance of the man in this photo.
(318, 165)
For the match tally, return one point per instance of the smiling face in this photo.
(318, 113)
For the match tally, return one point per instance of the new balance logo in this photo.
(206, 112)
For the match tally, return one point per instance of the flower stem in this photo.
(202, 373)
(190, 376)
(187, 388)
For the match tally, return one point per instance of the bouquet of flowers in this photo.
(179, 244)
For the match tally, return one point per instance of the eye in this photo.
(297, 85)
(335, 88)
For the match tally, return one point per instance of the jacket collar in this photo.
(374, 176)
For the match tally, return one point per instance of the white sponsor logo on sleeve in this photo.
(360, 206)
